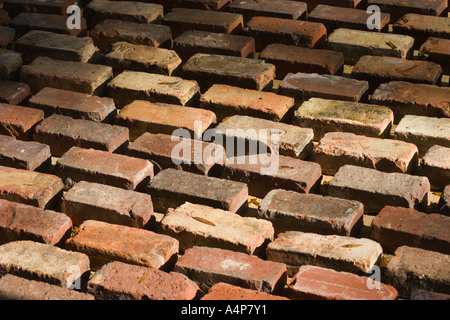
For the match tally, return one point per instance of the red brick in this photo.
(10, 64)
(444, 201)
(225, 291)
(312, 4)
(16, 7)
(104, 242)
(7, 36)
(209, 266)
(438, 51)
(17, 121)
(202, 4)
(121, 281)
(436, 166)
(289, 210)
(398, 8)
(27, 155)
(275, 8)
(14, 93)
(318, 283)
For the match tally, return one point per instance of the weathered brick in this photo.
(291, 58)
(43, 262)
(18, 121)
(313, 282)
(274, 8)
(226, 101)
(133, 85)
(10, 64)
(414, 268)
(209, 266)
(110, 31)
(143, 116)
(436, 166)
(7, 36)
(394, 227)
(358, 43)
(336, 149)
(376, 189)
(181, 19)
(304, 86)
(341, 253)
(424, 132)
(191, 42)
(444, 201)
(398, 8)
(326, 115)
(28, 187)
(171, 188)
(209, 69)
(312, 4)
(268, 30)
(420, 294)
(199, 225)
(27, 155)
(73, 104)
(121, 281)
(405, 98)
(225, 291)
(104, 242)
(293, 211)
(16, 7)
(67, 75)
(438, 51)
(4, 18)
(103, 167)
(93, 201)
(14, 93)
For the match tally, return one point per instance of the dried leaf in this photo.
(390, 44)
(170, 82)
(254, 201)
(286, 167)
(404, 19)
(351, 245)
(144, 276)
(204, 221)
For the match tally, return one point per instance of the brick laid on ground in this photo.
(313, 282)
(171, 188)
(398, 8)
(16, 7)
(203, 4)
(67, 75)
(326, 115)
(293, 211)
(376, 189)
(209, 69)
(18, 121)
(438, 51)
(14, 93)
(93, 201)
(436, 166)
(394, 227)
(27, 155)
(414, 268)
(7, 36)
(123, 281)
(44, 262)
(209, 266)
(104, 242)
(312, 4)
(73, 104)
(275, 8)
(225, 291)
(10, 64)
(420, 294)
(444, 201)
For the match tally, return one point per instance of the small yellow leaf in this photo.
(204, 221)
(351, 245)
(286, 167)
(144, 276)
(390, 44)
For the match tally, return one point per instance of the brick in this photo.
(18, 288)
(4, 18)
(117, 170)
(436, 166)
(279, 9)
(405, 98)
(121, 281)
(225, 291)
(376, 189)
(126, 56)
(312, 282)
(93, 201)
(312, 4)
(143, 116)
(420, 294)
(28, 187)
(268, 30)
(326, 115)
(7, 36)
(394, 227)
(20, 222)
(357, 43)
(293, 211)
(286, 173)
(62, 133)
(290, 140)
(18, 121)
(181, 19)
(66, 75)
(398, 8)
(424, 132)
(437, 50)
(110, 31)
(191, 42)
(14, 93)
(334, 17)
(209, 69)
(65, 47)
(209, 266)
(219, 229)
(16, 7)
(337, 149)
(171, 188)
(341, 253)
(29, 155)
(73, 104)
(226, 101)
(378, 69)
(44, 262)
(291, 58)
(203, 4)
(444, 201)
(104, 242)
(196, 156)
(414, 268)
(10, 64)
(133, 85)
(305, 86)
